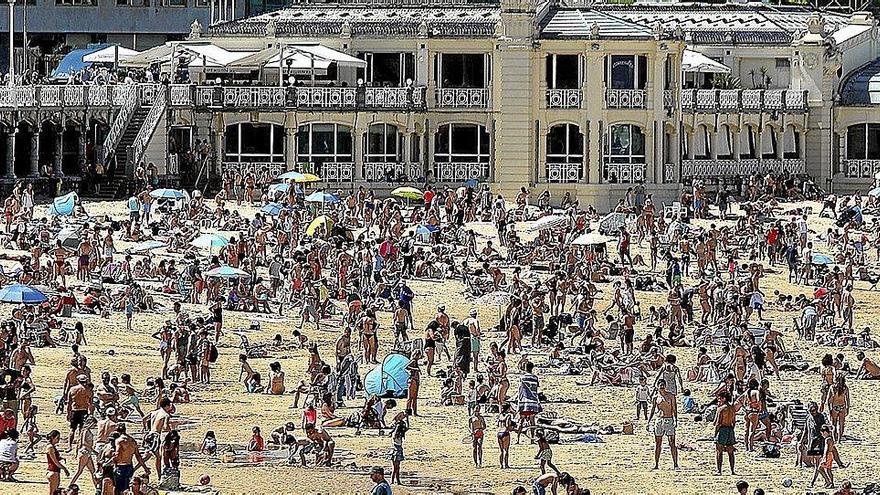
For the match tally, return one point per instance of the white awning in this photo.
(110, 54)
(298, 58)
(193, 54)
(692, 61)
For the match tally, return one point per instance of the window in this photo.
(563, 72)
(565, 144)
(324, 143)
(626, 71)
(462, 70)
(748, 143)
(461, 143)
(384, 144)
(388, 69)
(625, 143)
(863, 142)
(725, 143)
(791, 142)
(702, 143)
(247, 142)
(174, 3)
(768, 143)
(83, 3)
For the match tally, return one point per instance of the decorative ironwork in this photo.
(463, 97)
(460, 172)
(99, 96)
(50, 96)
(741, 168)
(728, 99)
(623, 173)
(795, 100)
(254, 97)
(274, 168)
(773, 99)
(139, 145)
(861, 169)
(669, 99)
(668, 173)
(205, 96)
(564, 98)
(403, 97)
(181, 95)
(336, 171)
(326, 97)
(565, 173)
(625, 98)
(379, 171)
(744, 100)
(148, 92)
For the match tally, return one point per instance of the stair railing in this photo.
(139, 145)
(202, 170)
(123, 117)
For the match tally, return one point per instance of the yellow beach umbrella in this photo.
(320, 221)
(408, 193)
(307, 178)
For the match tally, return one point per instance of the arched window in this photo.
(725, 142)
(461, 143)
(324, 143)
(702, 143)
(748, 143)
(791, 142)
(769, 145)
(254, 142)
(384, 144)
(565, 153)
(624, 156)
(863, 142)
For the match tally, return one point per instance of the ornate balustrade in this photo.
(139, 145)
(702, 168)
(274, 168)
(623, 173)
(254, 97)
(181, 95)
(668, 173)
(380, 171)
(564, 173)
(336, 171)
(861, 169)
(462, 97)
(564, 98)
(744, 100)
(127, 96)
(625, 98)
(275, 97)
(669, 99)
(460, 172)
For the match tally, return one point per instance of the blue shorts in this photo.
(122, 477)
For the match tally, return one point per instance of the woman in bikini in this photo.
(505, 426)
(838, 407)
(827, 377)
(54, 462)
(501, 378)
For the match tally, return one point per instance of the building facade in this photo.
(584, 98)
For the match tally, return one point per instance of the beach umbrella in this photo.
(279, 188)
(226, 271)
(324, 220)
(209, 241)
(821, 259)
(164, 193)
(544, 223)
(471, 183)
(291, 175)
(426, 229)
(69, 237)
(874, 192)
(18, 293)
(145, 246)
(272, 209)
(408, 193)
(321, 197)
(591, 238)
(308, 178)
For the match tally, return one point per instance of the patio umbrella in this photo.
(299, 177)
(874, 192)
(324, 220)
(544, 223)
(273, 209)
(209, 241)
(321, 197)
(426, 229)
(408, 193)
(21, 294)
(821, 259)
(276, 188)
(226, 271)
(591, 238)
(167, 194)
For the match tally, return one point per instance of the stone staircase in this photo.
(117, 186)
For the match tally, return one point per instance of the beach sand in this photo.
(438, 452)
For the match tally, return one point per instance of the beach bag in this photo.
(770, 450)
(628, 428)
(213, 354)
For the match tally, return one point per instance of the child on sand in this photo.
(209, 444)
(545, 455)
(256, 444)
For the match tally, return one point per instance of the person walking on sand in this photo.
(477, 426)
(725, 436)
(666, 423)
(54, 462)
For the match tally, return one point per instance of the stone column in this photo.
(290, 145)
(10, 154)
(357, 150)
(735, 137)
(35, 153)
(650, 152)
(59, 152)
(81, 140)
(594, 111)
(780, 143)
(689, 139)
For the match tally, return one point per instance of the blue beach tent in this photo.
(389, 379)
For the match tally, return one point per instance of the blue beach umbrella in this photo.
(426, 229)
(226, 271)
(210, 241)
(18, 293)
(821, 259)
(164, 193)
(273, 209)
(321, 197)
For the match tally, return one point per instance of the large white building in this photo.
(557, 95)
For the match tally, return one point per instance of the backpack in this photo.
(213, 354)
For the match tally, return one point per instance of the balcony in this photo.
(63, 96)
(462, 97)
(861, 169)
(743, 100)
(460, 172)
(565, 173)
(706, 169)
(380, 171)
(334, 172)
(669, 99)
(625, 98)
(564, 98)
(623, 173)
(304, 97)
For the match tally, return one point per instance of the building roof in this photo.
(408, 22)
(862, 87)
(579, 23)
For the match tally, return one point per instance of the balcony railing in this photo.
(564, 98)
(460, 172)
(274, 168)
(623, 173)
(565, 173)
(68, 95)
(743, 100)
(276, 97)
(861, 169)
(336, 171)
(462, 97)
(625, 98)
(383, 171)
(668, 99)
(705, 169)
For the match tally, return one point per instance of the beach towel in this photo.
(63, 205)
(527, 397)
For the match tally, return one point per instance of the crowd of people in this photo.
(688, 278)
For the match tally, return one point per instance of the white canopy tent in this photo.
(110, 54)
(198, 55)
(692, 61)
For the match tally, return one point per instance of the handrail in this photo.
(139, 145)
(121, 121)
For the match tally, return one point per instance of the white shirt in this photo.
(8, 450)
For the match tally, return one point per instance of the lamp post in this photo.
(11, 42)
